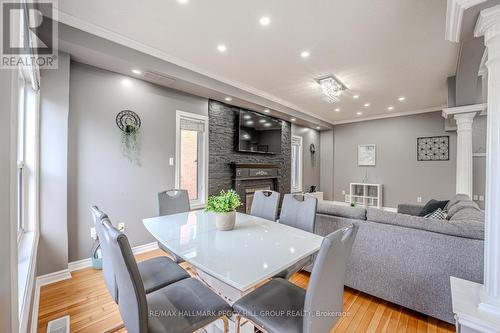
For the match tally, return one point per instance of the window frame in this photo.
(298, 187)
(203, 183)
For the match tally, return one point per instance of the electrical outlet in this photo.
(475, 197)
(121, 227)
(171, 161)
(481, 198)
(93, 234)
(419, 199)
(343, 192)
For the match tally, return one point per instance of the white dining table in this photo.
(235, 262)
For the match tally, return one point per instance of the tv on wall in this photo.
(259, 133)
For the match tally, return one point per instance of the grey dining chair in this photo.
(298, 211)
(184, 306)
(155, 273)
(173, 202)
(265, 205)
(324, 293)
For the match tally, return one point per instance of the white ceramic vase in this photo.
(225, 221)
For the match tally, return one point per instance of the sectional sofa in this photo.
(407, 259)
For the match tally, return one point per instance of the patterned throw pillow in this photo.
(438, 214)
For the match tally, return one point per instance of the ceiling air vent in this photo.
(158, 78)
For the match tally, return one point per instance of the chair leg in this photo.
(238, 322)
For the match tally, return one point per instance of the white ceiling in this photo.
(380, 49)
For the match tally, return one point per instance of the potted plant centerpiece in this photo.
(224, 206)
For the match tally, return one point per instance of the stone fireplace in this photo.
(252, 177)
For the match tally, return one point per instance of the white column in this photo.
(488, 25)
(464, 152)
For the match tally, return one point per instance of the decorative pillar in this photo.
(464, 152)
(488, 25)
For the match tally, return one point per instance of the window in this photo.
(191, 156)
(296, 164)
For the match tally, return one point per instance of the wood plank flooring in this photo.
(86, 300)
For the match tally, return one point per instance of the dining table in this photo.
(235, 262)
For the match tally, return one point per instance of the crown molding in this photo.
(390, 115)
(478, 108)
(454, 14)
(486, 20)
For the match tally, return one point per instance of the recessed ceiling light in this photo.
(355, 96)
(337, 110)
(182, 1)
(359, 113)
(229, 99)
(366, 105)
(264, 20)
(305, 54)
(390, 108)
(401, 99)
(247, 116)
(262, 121)
(267, 110)
(267, 124)
(136, 71)
(293, 119)
(250, 122)
(221, 48)
(318, 128)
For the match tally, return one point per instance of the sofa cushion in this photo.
(456, 198)
(330, 208)
(468, 214)
(464, 204)
(379, 215)
(432, 205)
(458, 227)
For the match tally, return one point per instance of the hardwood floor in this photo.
(86, 300)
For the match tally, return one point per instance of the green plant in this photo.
(226, 202)
(130, 144)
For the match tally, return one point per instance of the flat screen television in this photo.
(259, 133)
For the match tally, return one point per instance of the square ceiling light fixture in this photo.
(331, 87)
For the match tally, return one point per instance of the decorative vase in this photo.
(225, 221)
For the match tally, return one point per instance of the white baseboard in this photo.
(66, 274)
(389, 209)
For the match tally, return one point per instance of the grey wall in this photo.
(326, 164)
(310, 162)
(98, 172)
(7, 251)
(54, 109)
(404, 178)
(222, 143)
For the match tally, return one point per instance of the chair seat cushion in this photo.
(184, 306)
(159, 272)
(276, 306)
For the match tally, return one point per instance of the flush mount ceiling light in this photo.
(401, 99)
(136, 71)
(337, 110)
(228, 99)
(390, 108)
(221, 48)
(264, 21)
(359, 113)
(305, 54)
(267, 110)
(366, 105)
(318, 128)
(331, 88)
(355, 96)
(293, 119)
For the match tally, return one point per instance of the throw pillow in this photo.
(461, 205)
(438, 214)
(455, 199)
(432, 205)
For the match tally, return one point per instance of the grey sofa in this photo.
(407, 259)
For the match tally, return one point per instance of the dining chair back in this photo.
(132, 301)
(107, 266)
(173, 202)
(299, 211)
(265, 205)
(325, 290)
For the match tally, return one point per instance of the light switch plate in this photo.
(171, 161)
(475, 197)
(481, 198)
(419, 199)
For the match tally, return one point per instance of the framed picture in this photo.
(366, 155)
(433, 148)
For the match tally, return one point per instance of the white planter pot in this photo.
(225, 221)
